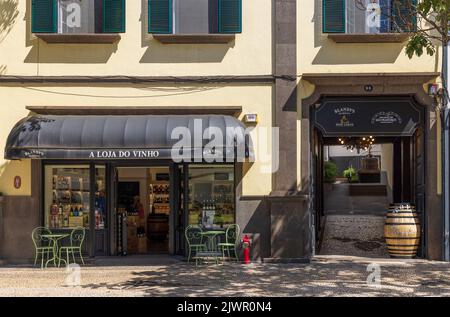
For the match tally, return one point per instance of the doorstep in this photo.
(286, 260)
(134, 260)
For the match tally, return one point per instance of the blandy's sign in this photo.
(362, 116)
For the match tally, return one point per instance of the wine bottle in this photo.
(66, 220)
(60, 217)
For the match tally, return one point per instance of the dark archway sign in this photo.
(347, 116)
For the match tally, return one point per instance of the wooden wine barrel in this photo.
(157, 226)
(402, 231)
(370, 163)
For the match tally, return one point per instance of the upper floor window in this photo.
(368, 16)
(78, 16)
(194, 16)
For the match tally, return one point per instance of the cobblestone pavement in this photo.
(357, 235)
(324, 276)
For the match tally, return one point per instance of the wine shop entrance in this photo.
(145, 204)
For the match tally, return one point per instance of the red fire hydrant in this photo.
(246, 246)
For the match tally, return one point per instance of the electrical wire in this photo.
(118, 96)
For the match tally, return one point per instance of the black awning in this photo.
(128, 137)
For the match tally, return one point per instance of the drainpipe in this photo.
(445, 154)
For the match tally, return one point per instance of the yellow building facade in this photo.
(271, 58)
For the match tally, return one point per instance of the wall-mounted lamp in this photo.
(251, 118)
(433, 90)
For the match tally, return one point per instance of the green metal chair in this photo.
(76, 243)
(194, 240)
(231, 241)
(43, 246)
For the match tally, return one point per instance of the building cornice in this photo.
(119, 79)
(139, 110)
(343, 79)
(368, 84)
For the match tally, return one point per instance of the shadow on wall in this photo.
(252, 214)
(331, 53)
(257, 228)
(279, 229)
(41, 52)
(19, 215)
(3, 169)
(177, 53)
(8, 16)
(8, 170)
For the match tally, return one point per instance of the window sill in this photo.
(369, 38)
(94, 38)
(194, 38)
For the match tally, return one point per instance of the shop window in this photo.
(78, 16)
(67, 196)
(211, 196)
(194, 16)
(368, 16)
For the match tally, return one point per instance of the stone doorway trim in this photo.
(383, 84)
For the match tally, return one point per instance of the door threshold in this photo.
(135, 260)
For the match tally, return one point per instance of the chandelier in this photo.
(358, 144)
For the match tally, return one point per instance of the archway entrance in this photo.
(367, 153)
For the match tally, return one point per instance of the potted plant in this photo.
(330, 172)
(351, 175)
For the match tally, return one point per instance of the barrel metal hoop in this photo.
(399, 216)
(402, 245)
(395, 238)
(401, 224)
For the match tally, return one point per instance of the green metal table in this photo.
(211, 237)
(55, 238)
(212, 252)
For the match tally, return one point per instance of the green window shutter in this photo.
(333, 16)
(160, 14)
(230, 16)
(402, 18)
(113, 16)
(44, 16)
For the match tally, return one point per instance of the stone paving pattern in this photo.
(324, 276)
(354, 235)
(353, 224)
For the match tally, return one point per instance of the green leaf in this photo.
(417, 44)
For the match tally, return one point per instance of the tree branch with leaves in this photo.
(431, 29)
